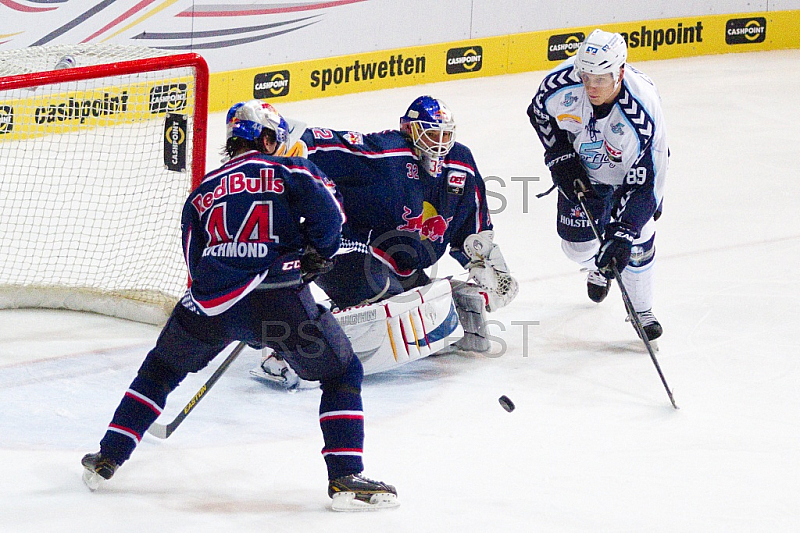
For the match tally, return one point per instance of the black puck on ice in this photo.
(506, 402)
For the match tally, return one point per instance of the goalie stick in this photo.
(163, 431)
(637, 324)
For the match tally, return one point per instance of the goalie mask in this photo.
(429, 125)
(248, 120)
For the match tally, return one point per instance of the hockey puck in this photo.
(506, 402)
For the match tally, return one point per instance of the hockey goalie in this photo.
(411, 195)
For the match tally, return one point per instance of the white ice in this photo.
(593, 445)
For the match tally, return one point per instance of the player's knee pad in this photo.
(642, 253)
(582, 253)
(406, 327)
(325, 352)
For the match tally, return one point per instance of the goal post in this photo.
(96, 161)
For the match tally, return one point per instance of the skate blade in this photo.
(92, 479)
(259, 373)
(300, 384)
(347, 502)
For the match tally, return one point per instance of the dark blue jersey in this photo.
(395, 210)
(242, 227)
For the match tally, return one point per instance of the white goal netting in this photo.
(95, 165)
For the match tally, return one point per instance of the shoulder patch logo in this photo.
(567, 117)
(569, 99)
(354, 137)
(456, 181)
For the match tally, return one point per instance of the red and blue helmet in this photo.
(247, 120)
(430, 127)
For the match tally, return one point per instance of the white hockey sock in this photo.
(639, 283)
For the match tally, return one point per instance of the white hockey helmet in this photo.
(602, 53)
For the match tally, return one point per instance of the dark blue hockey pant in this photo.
(357, 277)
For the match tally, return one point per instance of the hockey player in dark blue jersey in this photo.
(252, 231)
(409, 195)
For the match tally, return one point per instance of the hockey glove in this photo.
(312, 264)
(565, 169)
(488, 270)
(616, 248)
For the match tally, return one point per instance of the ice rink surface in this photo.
(593, 445)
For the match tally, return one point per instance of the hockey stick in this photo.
(580, 193)
(163, 431)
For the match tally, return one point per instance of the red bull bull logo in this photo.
(429, 224)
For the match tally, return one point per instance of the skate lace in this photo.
(365, 479)
(645, 317)
(596, 278)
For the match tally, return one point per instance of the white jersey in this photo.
(627, 148)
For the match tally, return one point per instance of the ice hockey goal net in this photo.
(96, 161)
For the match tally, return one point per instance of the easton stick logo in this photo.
(271, 84)
(468, 59)
(193, 401)
(563, 46)
(6, 119)
(746, 31)
(171, 97)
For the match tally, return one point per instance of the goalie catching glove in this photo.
(488, 270)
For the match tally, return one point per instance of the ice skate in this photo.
(274, 368)
(597, 285)
(358, 493)
(652, 328)
(97, 469)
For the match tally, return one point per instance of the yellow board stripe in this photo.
(506, 54)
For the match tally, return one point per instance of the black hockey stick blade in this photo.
(162, 431)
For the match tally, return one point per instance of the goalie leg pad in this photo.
(470, 304)
(404, 328)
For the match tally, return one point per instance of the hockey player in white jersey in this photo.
(602, 127)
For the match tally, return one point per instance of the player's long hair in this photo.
(237, 145)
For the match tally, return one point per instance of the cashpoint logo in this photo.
(654, 38)
(746, 31)
(469, 59)
(271, 84)
(171, 97)
(563, 46)
(175, 142)
(6, 119)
